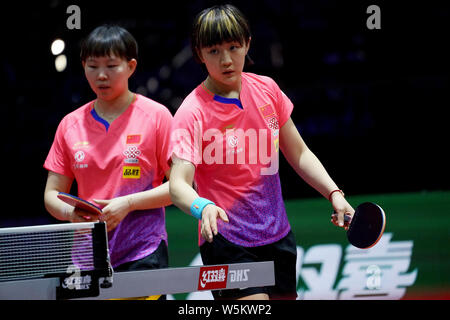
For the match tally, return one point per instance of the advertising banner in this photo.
(411, 260)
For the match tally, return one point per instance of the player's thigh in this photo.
(284, 255)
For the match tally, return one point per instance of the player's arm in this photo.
(310, 169)
(150, 199)
(181, 180)
(116, 209)
(154, 198)
(60, 210)
(183, 196)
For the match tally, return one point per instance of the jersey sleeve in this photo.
(57, 159)
(284, 105)
(185, 141)
(163, 139)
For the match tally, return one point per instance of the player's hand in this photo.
(210, 214)
(114, 211)
(341, 207)
(78, 215)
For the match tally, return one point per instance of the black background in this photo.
(371, 104)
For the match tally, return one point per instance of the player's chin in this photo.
(106, 95)
(230, 76)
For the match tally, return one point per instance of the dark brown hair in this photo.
(221, 23)
(107, 39)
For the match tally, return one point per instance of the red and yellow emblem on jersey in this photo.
(266, 110)
(131, 172)
(133, 139)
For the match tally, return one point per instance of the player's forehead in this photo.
(224, 44)
(104, 58)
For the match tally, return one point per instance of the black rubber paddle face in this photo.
(367, 225)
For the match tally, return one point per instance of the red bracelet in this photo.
(337, 190)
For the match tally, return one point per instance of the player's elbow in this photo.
(47, 200)
(176, 189)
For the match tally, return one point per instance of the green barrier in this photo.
(411, 261)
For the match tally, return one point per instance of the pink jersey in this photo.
(108, 161)
(233, 144)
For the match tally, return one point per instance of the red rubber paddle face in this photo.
(79, 203)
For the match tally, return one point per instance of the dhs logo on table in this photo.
(76, 280)
(239, 275)
(78, 284)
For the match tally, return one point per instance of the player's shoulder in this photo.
(259, 80)
(149, 107)
(194, 103)
(76, 116)
(262, 84)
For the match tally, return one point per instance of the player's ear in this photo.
(248, 44)
(132, 65)
(248, 61)
(199, 55)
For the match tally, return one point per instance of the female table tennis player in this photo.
(243, 218)
(115, 147)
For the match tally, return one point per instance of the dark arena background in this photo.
(371, 103)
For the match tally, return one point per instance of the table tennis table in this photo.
(30, 270)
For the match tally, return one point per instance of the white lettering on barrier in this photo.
(238, 275)
(326, 271)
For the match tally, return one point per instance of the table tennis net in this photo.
(52, 250)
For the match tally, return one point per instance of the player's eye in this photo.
(235, 46)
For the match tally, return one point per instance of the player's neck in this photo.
(223, 90)
(111, 109)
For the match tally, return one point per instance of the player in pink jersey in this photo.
(226, 136)
(116, 149)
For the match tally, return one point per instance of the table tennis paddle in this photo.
(79, 203)
(366, 226)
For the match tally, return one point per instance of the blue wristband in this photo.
(198, 205)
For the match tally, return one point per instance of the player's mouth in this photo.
(103, 87)
(228, 72)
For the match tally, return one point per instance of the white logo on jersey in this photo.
(79, 156)
(131, 154)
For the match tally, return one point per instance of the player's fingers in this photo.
(213, 223)
(77, 218)
(341, 219)
(334, 216)
(206, 228)
(349, 212)
(334, 219)
(85, 215)
(222, 214)
(102, 202)
(347, 219)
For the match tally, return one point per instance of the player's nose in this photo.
(102, 75)
(226, 58)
